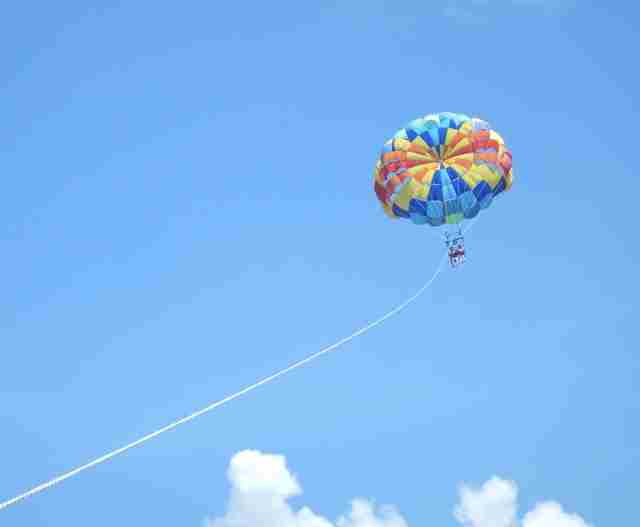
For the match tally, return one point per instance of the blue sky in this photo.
(188, 207)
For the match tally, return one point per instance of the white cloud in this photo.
(550, 514)
(251, 472)
(495, 504)
(363, 514)
(261, 485)
(492, 505)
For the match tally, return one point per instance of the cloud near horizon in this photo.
(262, 484)
(495, 504)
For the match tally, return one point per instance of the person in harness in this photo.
(455, 246)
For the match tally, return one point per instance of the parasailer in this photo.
(455, 247)
(442, 169)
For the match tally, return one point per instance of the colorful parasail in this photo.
(442, 169)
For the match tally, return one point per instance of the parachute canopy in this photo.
(442, 169)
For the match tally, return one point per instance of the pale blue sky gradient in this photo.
(188, 206)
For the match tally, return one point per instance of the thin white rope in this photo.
(295, 365)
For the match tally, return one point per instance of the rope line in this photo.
(110, 455)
